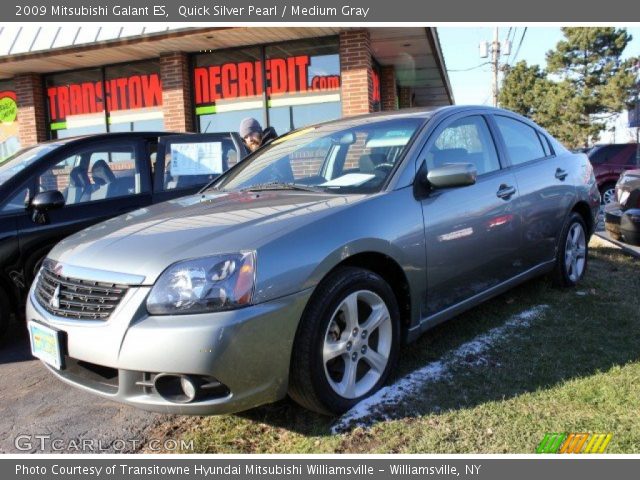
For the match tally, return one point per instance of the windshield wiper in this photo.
(281, 186)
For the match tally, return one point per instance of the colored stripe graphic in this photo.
(551, 443)
(574, 443)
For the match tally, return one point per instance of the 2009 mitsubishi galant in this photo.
(304, 268)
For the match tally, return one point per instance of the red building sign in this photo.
(245, 79)
(126, 93)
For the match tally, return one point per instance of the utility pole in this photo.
(497, 49)
(495, 60)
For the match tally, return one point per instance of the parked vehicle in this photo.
(302, 269)
(609, 161)
(57, 188)
(622, 218)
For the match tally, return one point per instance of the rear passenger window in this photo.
(545, 145)
(522, 142)
(467, 140)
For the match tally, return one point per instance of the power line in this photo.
(520, 44)
(470, 68)
(515, 30)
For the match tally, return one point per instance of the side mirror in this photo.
(450, 175)
(46, 201)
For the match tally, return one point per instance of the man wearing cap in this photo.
(253, 136)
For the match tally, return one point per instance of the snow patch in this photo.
(373, 408)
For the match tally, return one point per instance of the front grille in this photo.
(79, 299)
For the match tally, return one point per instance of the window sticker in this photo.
(196, 158)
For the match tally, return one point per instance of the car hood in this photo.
(146, 241)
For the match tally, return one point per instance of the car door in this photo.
(545, 187)
(186, 163)
(472, 232)
(98, 180)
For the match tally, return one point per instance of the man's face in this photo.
(252, 141)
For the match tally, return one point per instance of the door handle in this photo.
(506, 191)
(561, 174)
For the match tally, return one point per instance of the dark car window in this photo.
(22, 159)
(631, 154)
(522, 141)
(95, 174)
(613, 154)
(466, 140)
(195, 164)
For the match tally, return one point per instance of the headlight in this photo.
(219, 282)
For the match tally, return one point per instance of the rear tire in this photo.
(608, 193)
(573, 253)
(347, 342)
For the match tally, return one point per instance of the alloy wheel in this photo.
(609, 196)
(575, 252)
(357, 344)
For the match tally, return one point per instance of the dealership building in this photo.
(57, 82)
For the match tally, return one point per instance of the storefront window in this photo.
(136, 104)
(303, 83)
(228, 86)
(9, 140)
(114, 99)
(76, 103)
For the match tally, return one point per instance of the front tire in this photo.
(573, 252)
(347, 342)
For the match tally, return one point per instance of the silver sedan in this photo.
(304, 268)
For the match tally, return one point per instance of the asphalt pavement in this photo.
(37, 410)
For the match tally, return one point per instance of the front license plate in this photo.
(45, 344)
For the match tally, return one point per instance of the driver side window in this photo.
(466, 140)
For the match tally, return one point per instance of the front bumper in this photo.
(623, 224)
(247, 350)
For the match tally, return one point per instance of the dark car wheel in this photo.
(608, 193)
(573, 251)
(347, 342)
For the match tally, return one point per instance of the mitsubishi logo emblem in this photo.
(55, 298)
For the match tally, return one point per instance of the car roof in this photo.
(428, 112)
(108, 136)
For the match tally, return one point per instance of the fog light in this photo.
(188, 387)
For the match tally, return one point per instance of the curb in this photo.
(630, 249)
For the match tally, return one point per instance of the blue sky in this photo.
(460, 49)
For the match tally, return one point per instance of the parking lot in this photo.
(33, 403)
(494, 380)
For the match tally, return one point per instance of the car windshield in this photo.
(22, 159)
(348, 156)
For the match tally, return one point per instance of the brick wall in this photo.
(356, 70)
(176, 92)
(405, 99)
(388, 88)
(32, 126)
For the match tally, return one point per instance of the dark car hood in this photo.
(147, 241)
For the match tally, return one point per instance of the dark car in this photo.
(609, 162)
(54, 189)
(622, 218)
